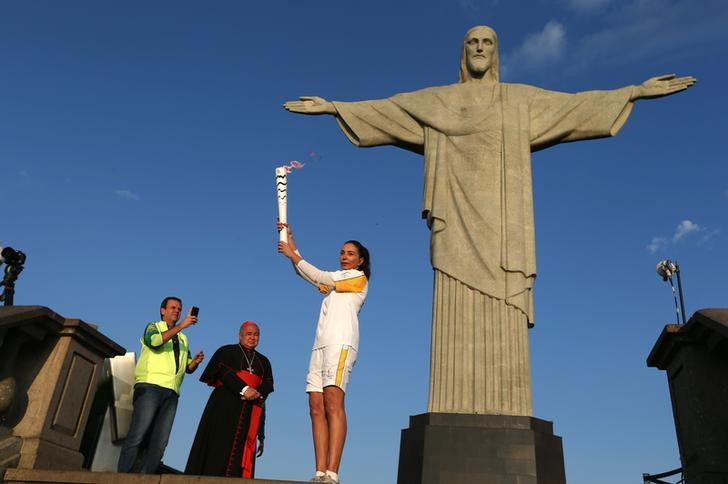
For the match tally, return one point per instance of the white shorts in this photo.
(330, 365)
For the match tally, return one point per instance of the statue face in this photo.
(480, 51)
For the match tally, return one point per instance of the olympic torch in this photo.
(282, 191)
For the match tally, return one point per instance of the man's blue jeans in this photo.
(153, 415)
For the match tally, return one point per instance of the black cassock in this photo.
(219, 443)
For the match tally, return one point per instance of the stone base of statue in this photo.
(443, 448)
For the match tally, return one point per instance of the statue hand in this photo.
(310, 105)
(662, 86)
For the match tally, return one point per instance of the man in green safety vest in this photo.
(164, 359)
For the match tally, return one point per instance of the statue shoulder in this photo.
(517, 88)
(426, 94)
(514, 93)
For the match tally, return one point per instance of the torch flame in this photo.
(293, 164)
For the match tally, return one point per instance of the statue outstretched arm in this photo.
(661, 86)
(310, 105)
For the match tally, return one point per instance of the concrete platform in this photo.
(34, 476)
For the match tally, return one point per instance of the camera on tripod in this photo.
(14, 260)
(12, 257)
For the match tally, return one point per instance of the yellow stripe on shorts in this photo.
(340, 367)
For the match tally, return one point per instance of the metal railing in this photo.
(657, 478)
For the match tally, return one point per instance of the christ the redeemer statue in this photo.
(477, 137)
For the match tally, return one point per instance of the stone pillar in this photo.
(695, 357)
(55, 366)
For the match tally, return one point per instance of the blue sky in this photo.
(138, 142)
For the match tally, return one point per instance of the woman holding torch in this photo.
(335, 347)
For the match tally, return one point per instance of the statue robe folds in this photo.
(477, 139)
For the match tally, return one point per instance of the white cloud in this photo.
(657, 244)
(127, 195)
(683, 230)
(641, 29)
(620, 33)
(539, 49)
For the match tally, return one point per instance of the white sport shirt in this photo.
(345, 294)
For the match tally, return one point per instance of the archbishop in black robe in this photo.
(219, 445)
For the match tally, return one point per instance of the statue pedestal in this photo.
(50, 366)
(442, 448)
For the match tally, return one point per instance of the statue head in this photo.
(479, 57)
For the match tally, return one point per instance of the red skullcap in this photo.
(246, 323)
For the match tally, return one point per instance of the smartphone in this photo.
(194, 311)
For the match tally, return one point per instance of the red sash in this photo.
(252, 381)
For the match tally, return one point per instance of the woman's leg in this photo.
(333, 401)
(319, 428)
